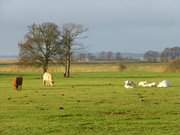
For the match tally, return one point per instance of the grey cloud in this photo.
(128, 25)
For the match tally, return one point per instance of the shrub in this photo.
(122, 67)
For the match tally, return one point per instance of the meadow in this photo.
(92, 102)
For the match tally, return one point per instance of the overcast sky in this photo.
(116, 25)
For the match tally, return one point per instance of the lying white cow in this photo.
(129, 84)
(47, 79)
(164, 84)
(142, 83)
(146, 84)
(152, 84)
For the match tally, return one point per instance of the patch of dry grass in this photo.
(8, 61)
(173, 66)
(89, 68)
(148, 67)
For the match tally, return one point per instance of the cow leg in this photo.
(15, 87)
(51, 84)
(44, 82)
(20, 87)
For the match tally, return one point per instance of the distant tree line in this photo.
(168, 54)
(106, 56)
(101, 56)
(152, 56)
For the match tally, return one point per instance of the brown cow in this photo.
(17, 82)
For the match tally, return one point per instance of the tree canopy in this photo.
(40, 45)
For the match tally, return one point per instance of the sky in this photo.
(113, 25)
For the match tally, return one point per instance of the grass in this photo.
(92, 103)
(106, 67)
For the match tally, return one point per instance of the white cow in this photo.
(129, 84)
(142, 83)
(152, 84)
(164, 84)
(47, 79)
(146, 84)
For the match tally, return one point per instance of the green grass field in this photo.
(90, 104)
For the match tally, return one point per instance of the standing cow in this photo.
(47, 79)
(17, 82)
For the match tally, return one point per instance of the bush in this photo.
(122, 67)
(173, 66)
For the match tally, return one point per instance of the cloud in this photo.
(143, 23)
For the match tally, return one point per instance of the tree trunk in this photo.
(65, 64)
(69, 65)
(45, 69)
(45, 66)
(67, 58)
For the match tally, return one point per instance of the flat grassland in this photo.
(90, 103)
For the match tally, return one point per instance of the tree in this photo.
(102, 55)
(169, 54)
(118, 56)
(109, 55)
(151, 56)
(70, 34)
(40, 46)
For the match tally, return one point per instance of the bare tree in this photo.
(118, 56)
(70, 34)
(109, 55)
(169, 54)
(102, 55)
(152, 56)
(40, 45)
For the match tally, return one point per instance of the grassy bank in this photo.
(108, 67)
(90, 103)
